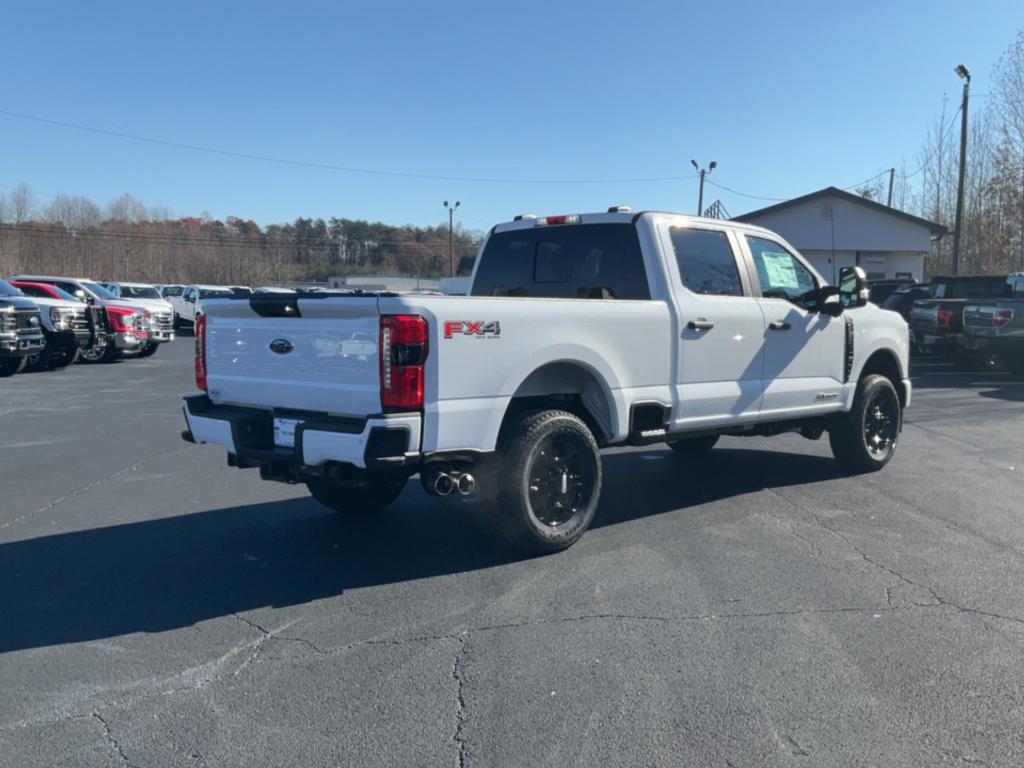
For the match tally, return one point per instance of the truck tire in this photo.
(864, 440)
(100, 353)
(693, 446)
(51, 360)
(149, 350)
(357, 499)
(549, 482)
(11, 366)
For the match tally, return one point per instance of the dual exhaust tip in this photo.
(446, 483)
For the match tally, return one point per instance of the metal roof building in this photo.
(835, 229)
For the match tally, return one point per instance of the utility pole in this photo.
(964, 73)
(892, 178)
(451, 234)
(703, 172)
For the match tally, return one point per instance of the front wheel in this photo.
(149, 350)
(372, 496)
(549, 482)
(101, 352)
(864, 440)
(11, 366)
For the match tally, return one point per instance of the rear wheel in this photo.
(694, 446)
(357, 499)
(864, 440)
(549, 482)
(11, 366)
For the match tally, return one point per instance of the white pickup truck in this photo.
(579, 332)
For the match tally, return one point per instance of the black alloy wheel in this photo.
(561, 478)
(881, 423)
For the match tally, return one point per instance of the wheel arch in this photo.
(570, 385)
(885, 362)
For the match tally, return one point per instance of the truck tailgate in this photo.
(318, 355)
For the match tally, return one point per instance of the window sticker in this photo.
(780, 270)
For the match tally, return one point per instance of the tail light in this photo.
(1002, 317)
(944, 318)
(200, 333)
(403, 354)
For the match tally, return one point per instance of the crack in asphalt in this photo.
(938, 599)
(90, 486)
(460, 705)
(111, 740)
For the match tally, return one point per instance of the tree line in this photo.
(72, 235)
(992, 236)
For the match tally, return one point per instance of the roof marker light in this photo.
(620, 209)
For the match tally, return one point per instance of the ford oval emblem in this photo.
(281, 346)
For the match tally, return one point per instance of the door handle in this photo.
(779, 325)
(700, 325)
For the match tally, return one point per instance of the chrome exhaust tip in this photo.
(443, 484)
(466, 484)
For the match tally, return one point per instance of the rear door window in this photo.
(572, 261)
(706, 261)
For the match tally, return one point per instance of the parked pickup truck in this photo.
(161, 312)
(189, 303)
(21, 330)
(994, 330)
(125, 328)
(580, 332)
(66, 323)
(937, 322)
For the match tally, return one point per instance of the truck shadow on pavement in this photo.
(171, 572)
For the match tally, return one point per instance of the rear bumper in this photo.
(374, 442)
(994, 344)
(936, 342)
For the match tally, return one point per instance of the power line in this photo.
(329, 167)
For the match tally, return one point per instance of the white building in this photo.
(835, 229)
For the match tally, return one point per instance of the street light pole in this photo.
(965, 73)
(703, 172)
(451, 234)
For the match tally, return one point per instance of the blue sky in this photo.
(787, 97)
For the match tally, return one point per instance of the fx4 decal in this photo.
(482, 328)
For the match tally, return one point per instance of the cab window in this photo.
(781, 275)
(707, 264)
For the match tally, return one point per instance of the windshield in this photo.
(6, 289)
(213, 293)
(139, 292)
(98, 291)
(173, 290)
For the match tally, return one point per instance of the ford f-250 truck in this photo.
(580, 331)
(21, 330)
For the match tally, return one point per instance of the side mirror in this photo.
(830, 301)
(853, 287)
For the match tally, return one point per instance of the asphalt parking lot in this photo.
(160, 609)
